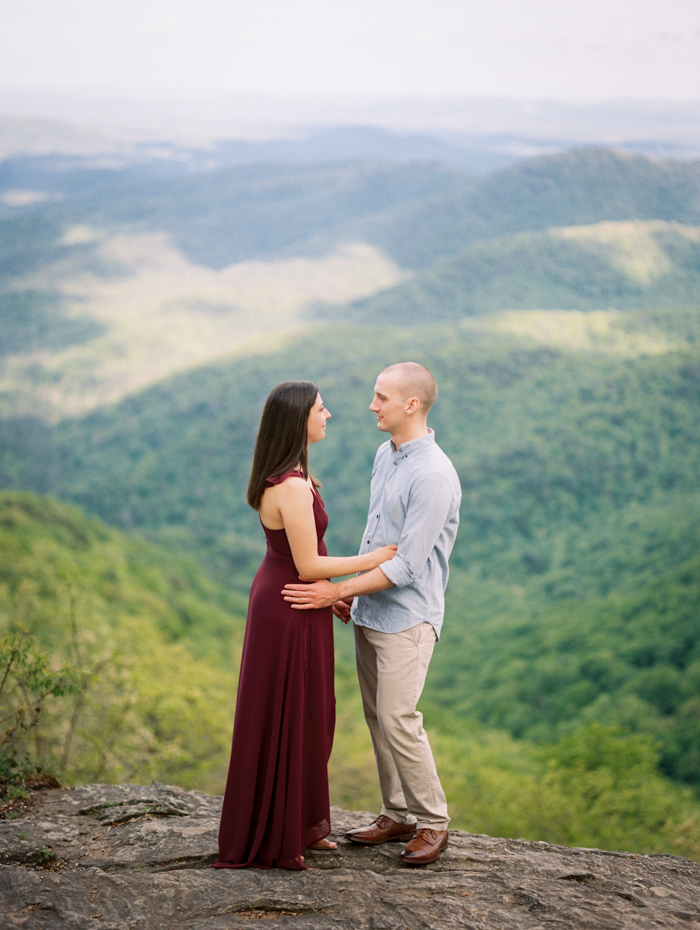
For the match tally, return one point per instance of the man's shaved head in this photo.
(414, 381)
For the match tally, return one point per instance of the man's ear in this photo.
(412, 405)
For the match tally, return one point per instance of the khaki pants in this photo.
(391, 668)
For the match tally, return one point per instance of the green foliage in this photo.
(26, 681)
(631, 658)
(64, 557)
(154, 646)
(602, 788)
(147, 710)
(597, 787)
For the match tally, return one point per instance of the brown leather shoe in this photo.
(425, 846)
(382, 830)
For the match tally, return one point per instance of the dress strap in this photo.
(278, 479)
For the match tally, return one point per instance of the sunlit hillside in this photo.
(622, 265)
(110, 281)
(140, 311)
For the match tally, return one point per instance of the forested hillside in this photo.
(625, 265)
(556, 303)
(150, 648)
(151, 643)
(577, 188)
(220, 217)
(575, 466)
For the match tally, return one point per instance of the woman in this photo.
(276, 802)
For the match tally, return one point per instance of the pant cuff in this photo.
(439, 825)
(400, 816)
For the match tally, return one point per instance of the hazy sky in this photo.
(539, 48)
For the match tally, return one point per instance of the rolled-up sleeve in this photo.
(428, 510)
(414, 504)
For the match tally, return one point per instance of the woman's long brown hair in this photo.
(282, 438)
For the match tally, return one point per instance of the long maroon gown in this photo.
(276, 801)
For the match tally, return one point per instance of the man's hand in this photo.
(325, 593)
(311, 596)
(342, 609)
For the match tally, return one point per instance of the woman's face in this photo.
(316, 424)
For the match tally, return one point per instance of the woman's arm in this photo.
(294, 501)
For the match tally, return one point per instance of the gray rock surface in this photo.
(124, 856)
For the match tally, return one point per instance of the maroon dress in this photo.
(276, 801)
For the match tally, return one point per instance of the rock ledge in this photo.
(127, 856)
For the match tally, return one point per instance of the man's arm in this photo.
(430, 505)
(428, 512)
(325, 593)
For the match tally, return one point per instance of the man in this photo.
(398, 609)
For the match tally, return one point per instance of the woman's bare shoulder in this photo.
(293, 487)
(290, 496)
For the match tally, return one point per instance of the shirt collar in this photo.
(413, 445)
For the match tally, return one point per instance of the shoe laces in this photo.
(383, 821)
(427, 833)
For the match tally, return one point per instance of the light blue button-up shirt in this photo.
(414, 503)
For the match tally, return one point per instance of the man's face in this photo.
(389, 403)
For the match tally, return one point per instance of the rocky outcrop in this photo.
(110, 857)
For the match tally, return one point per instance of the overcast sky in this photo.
(566, 49)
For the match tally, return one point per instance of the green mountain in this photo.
(220, 217)
(115, 280)
(626, 265)
(576, 188)
(418, 213)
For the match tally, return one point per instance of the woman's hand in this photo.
(342, 609)
(384, 554)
